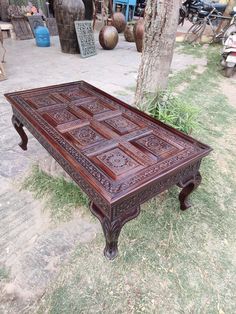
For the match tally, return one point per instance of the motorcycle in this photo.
(193, 10)
(231, 29)
(140, 8)
(229, 56)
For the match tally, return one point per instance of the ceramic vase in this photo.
(138, 34)
(108, 36)
(118, 21)
(129, 32)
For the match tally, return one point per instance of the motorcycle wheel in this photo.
(229, 31)
(195, 32)
(228, 72)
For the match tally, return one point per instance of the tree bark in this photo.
(161, 21)
(228, 10)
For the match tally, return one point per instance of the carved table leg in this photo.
(112, 229)
(188, 188)
(19, 128)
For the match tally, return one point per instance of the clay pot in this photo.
(119, 22)
(138, 34)
(129, 32)
(66, 12)
(108, 37)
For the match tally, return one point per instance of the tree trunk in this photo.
(228, 10)
(161, 21)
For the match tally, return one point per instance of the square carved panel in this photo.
(121, 125)
(117, 161)
(86, 136)
(93, 107)
(60, 116)
(42, 101)
(74, 94)
(155, 145)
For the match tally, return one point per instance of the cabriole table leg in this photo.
(188, 188)
(19, 128)
(112, 229)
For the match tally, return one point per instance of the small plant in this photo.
(174, 111)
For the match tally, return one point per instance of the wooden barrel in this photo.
(66, 12)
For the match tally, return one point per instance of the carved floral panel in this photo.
(86, 136)
(94, 107)
(61, 116)
(117, 161)
(155, 145)
(121, 125)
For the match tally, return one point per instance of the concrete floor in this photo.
(32, 250)
(29, 66)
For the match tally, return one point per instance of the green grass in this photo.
(183, 76)
(131, 88)
(195, 50)
(169, 261)
(61, 197)
(3, 273)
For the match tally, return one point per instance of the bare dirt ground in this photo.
(228, 87)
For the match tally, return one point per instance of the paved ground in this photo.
(32, 249)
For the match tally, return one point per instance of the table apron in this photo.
(180, 176)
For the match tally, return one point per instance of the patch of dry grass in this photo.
(61, 197)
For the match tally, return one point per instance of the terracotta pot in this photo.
(129, 32)
(138, 34)
(108, 37)
(66, 12)
(119, 22)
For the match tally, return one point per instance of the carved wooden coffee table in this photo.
(119, 156)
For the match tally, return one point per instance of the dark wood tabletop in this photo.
(118, 155)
